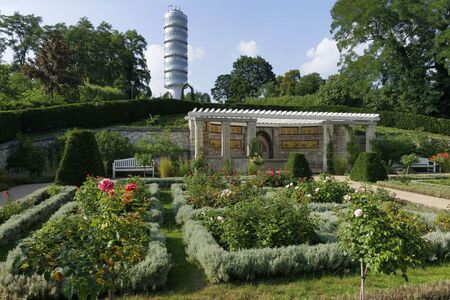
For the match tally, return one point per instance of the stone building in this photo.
(226, 134)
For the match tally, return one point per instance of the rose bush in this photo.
(86, 253)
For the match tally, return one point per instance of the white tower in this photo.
(175, 51)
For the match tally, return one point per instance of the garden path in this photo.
(20, 191)
(436, 202)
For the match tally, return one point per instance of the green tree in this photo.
(308, 84)
(336, 91)
(21, 33)
(54, 65)
(408, 160)
(380, 236)
(112, 145)
(288, 82)
(221, 89)
(199, 97)
(406, 50)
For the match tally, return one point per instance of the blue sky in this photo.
(289, 34)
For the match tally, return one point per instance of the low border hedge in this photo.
(16, 226)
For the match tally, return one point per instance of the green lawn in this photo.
(187, 281)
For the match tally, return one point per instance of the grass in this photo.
(186, 279)
(420, 187)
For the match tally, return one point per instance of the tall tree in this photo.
(221, 89)
(308, 84)
(54, 65)
(407, 50)
(22, 33)
(288, 83)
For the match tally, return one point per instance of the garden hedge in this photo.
(101, 114)
(297, 166)
(368, 167)
(14, 227)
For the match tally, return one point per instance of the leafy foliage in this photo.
(261, 223)
(93, 93)
(368, 167)
(297, 166)
(166, 167)
(26, 157)
(81, 157)
(112, 145)
(442, 221)
(162, 146)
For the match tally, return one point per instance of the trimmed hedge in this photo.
(297, 166)
(95, 115)
(14, 227)
(81, 157)
(368, 167)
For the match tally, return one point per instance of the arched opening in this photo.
(265, 144)
(192, 92)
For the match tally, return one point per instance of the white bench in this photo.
(425, 163)
(129, 165)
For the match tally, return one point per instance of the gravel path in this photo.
(20, 191)
(436, 202)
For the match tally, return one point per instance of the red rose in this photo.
(131, 187)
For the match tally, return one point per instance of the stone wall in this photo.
(177, 136)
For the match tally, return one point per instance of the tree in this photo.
(221, 89)
(199, 97)
(245, 80)
(288, 82)
(408, 160)
(21, 33)
(406, 50)
(308, 84)
(336, 92)
(54, 65)
(380, 236)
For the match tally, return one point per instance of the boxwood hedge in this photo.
(95, 115)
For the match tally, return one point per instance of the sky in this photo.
(288, 34)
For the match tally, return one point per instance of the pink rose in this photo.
(131, 187)
(105, 185)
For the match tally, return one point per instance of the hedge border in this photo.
(95, 115)
(15, 226)
(153, 270)
(222, 266)
(36, 197)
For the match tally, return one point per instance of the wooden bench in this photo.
(129, 165)
(425, 163)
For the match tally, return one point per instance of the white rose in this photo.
(317, 189)
(347, 197)
(220, 218)
(297, 187)
(291, 184)
(328, 178)
(287, 186)
(308, 195)
(358, 212)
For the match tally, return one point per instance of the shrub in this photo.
(165, 167)
(81, 157)
(368, 167)
(26, 157)
(272, 178)
(297, 166)
(393, 148)
(112, 145)
(442, 221)
(161, 147)
(340, 165)
(324, 190)
(408, 160)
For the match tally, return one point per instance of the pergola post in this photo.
(191, 138)
(198, 140)
(225, 143)
(328, 131)
(370, 136)
(251, 134)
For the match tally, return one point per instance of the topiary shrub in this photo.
(368, 167)
(297, 166)
(81, 157)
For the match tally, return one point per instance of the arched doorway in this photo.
(265, 144)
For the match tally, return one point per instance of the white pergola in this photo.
(252, 118)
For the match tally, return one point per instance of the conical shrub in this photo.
(368, 167)
(297, 166)
(81, 157)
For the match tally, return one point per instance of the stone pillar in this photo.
(251, 134)
(276, 142)
(226, 153)
(370, 136)
(198, 141)
(191, 139)
(328, 131)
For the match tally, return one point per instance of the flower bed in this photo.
(108, 244)
(14, 227)
(209, 246)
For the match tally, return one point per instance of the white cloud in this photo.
(322, 59)
(195, 53)
(248, 48)
(155, 63)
